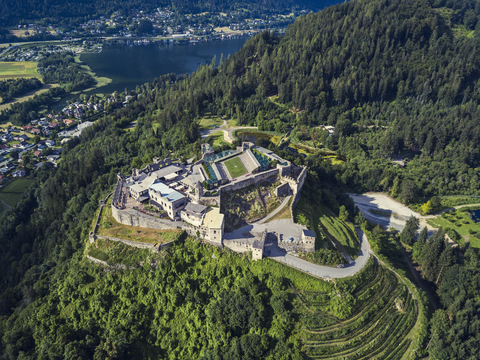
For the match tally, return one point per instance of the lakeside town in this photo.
(163, 22)
(27, 148)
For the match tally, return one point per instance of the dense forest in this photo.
(9, 89)
(392, 76)
(62, 69)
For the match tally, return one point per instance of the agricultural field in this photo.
(249, 204)
(462, 223)
(20, 69)
(108, 226)
(235, 167)
(373, 321)
(326, 225)
(12, 192)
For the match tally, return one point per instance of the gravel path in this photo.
(276, 211)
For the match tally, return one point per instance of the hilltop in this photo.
(392, 77)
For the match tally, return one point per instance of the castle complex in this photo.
(179, 194)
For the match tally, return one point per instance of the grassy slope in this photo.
(108, 226)
(322, 220)
(209, 120)
(28, 95)
(13, 190)
(461, 222)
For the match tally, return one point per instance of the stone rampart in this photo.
(135, 218)
(136, 244)
(282, 190)
(253, 179)
(96, 261)
(238, 245)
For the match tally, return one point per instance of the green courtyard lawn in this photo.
(235, 167)
(461, 221)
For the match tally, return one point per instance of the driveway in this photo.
(381, 209)
(286, 228)
(326, 272)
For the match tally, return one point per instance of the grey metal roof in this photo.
(195, 208)
(167, 170)
(309, 233)
(166, 192)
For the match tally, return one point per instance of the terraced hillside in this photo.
(380, 316)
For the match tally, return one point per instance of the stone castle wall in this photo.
(136, 218)
(253, 179)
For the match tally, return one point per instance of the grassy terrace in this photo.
(324, 222)
(235, 167)
(13, 70)
(461, 221)
(108, 226)
(373, 321)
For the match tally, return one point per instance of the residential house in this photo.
(6, 137)
(50, 143)
(53, 158)
(35, 131)
(19, 173)
(37, 153)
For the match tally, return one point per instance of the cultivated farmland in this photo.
(21, 69)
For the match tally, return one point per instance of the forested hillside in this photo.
(393, 76)
(12, 11)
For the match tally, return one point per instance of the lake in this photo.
(132, 65)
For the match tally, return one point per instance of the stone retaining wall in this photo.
(96, 261)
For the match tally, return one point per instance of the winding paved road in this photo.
(285, 228)
(326, 272)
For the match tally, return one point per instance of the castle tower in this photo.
(198, 190)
